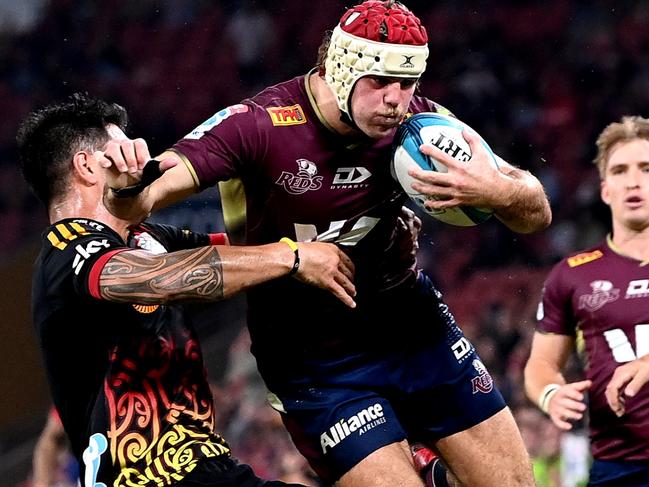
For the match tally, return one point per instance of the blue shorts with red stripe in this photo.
(420, 389)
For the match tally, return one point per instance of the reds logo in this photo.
(483, 382)
(304, 180)
(603, 293)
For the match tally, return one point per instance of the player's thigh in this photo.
(336, 429)
(388, 466)
(489, 454)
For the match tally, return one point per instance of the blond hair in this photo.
(629, 128)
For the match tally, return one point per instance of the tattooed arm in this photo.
(218, 272)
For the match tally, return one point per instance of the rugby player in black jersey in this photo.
(124, 367)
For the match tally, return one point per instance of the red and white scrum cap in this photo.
(381, 38)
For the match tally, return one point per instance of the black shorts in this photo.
(226, 472)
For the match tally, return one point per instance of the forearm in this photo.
(525, 207)
(203, 274)
(539, 373)
(176, 184)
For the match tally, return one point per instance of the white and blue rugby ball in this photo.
(444, 132)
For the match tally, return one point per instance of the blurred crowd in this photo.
(537, 79)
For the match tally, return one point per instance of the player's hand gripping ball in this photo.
(445, 133)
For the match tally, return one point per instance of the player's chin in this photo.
(637, 221)
(378, 131)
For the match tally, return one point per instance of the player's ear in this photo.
(603, 191)
(85, 167)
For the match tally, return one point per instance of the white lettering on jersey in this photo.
(603, 293)
(350, 177)
(307, 232)
(641, 340)
(362, 422)
(638, 289)
(305, 179)
(361, 228)
(620, 345)
(483, 383)
(89, 223)
(461, 348)
(332, 233)
(84, 252)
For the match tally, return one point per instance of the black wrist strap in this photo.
(150, 173)
(294, 248)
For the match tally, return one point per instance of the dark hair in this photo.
(49, 137)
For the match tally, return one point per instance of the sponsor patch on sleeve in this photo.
(584, 258)
(215, 120)
(283, 116)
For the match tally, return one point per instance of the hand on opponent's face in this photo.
(127, 159)
(129, 172)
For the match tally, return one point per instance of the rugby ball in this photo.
(444, 132)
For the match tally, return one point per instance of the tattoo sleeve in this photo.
(140, 277)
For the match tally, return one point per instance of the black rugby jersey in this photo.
(127, 379)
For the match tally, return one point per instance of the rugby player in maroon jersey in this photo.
(312, 157)
(123, 363)
(601, 295)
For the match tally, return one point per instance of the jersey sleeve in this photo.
(555, 313)
(170, 237)
(80, 252)
(218, 148)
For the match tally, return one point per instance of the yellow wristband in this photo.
(293, 246)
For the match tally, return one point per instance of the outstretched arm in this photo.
(218, 272)
(545, 385)
(516, 196)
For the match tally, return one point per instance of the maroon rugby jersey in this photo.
(304, 181)
(605, 296)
